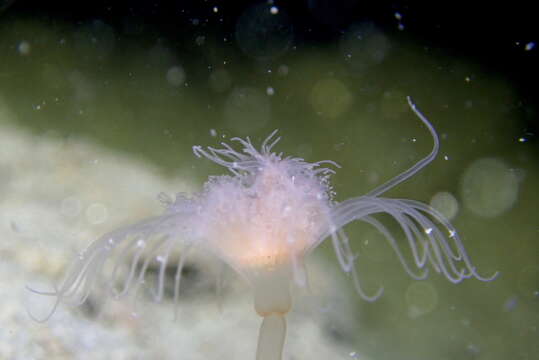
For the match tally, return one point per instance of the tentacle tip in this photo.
(422, 276)
(487, 278)
(373, 298)
(458, 277)
(34, 318)
(196, 150)
(39, 320)
(46, 317)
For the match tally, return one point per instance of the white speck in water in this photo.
(354, 355)
(446, 157)
(398, 15)
(141, 243)
(270, 91)
(529, 46)
(428, 231)
(215, 9)
(474, 349)
(24, 48)
(213, 132)
(160, 258)
(522, 139)
(96, 213)
(274, 10)
(200, 40)
(511, 303)
(175, 76)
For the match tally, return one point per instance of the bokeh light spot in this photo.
(489, 187)
(445, 203)
(330, 98)
(96, 213)
(421, 298)
(247, 109)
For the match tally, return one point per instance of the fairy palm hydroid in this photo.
(263, 220)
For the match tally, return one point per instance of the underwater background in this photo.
(101, 103)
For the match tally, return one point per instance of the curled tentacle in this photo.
(431, 237)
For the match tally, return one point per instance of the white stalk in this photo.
(271, 337)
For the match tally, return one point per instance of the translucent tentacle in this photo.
(461, 255)
(347, 261)
(117, 246)
(417, 222)
(163, 261)
(178, 278)
(417, 166)
(420, 262)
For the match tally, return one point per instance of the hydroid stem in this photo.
(271, 337)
